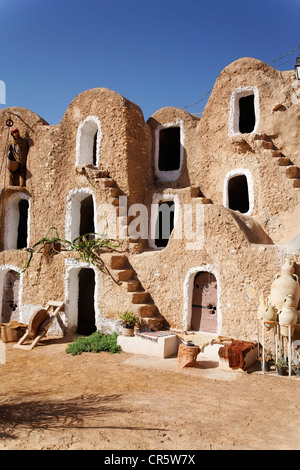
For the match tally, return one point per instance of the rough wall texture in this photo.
(243, 250)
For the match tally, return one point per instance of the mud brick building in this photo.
(238, 164)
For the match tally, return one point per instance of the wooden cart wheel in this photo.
(36, 321)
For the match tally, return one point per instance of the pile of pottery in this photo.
(282, 304)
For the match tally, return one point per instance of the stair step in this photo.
(115, 201)
(195, 191)
(109, 182)
(114, 192)
(140, 297)
(133, 285)
(125, 274)
(148, 310)
(260, 137)
(296, 183)
(204, 200)
(293, 172)
(284, 161)
(277, 154)
(267, 145)
(152, 323)
(118, 261)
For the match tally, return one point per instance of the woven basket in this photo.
(12, 163)
(11, 333)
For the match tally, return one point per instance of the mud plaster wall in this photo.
(238, 249)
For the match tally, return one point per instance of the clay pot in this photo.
(127, 331)
(262, 308)
(284, 284)
(288, 315)
(288, 266)
(270, 315)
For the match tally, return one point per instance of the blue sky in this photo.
(155, 53)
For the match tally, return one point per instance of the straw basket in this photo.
(12, 163)
(11, 332)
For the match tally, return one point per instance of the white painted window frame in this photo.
(12, 218)
(85, 141)
(169, 175)
(74, 198)
(250, 183)
(234, 112)
(156, 200)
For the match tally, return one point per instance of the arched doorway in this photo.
(10, 297)
(204, 303)
(86, 323)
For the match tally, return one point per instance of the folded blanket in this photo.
(236, 353)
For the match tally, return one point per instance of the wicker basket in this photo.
(11, 332)
(12, 163)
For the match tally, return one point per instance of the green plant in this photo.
(281, 362)
(88, 247)
(129, 319)
(96, 342)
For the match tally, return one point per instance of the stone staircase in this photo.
(292, 171)
(123, 272)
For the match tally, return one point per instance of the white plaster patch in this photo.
(234, 113)
(188, 295)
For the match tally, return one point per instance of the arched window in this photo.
(16, 233)
(238, 193)
(80, 218)
(244, 111)
(88, 142)
(169, 150)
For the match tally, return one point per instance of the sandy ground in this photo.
(50, 400)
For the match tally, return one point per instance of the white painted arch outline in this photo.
(12, 218)
(188, 287)
(4, 269)
(85, 141)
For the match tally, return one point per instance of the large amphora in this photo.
(288, 316)
(285, 283)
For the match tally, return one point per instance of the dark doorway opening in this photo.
(87, 216)
(238, 194)
(95, 149)
(164, 223)
(86, 298)
(23, 224)
(169, 149)
(10, 297)
(204, 303)
(247, 114)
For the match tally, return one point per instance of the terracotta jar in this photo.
(288, 316)
(270, 315)
(285, 283)
(262, 308)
